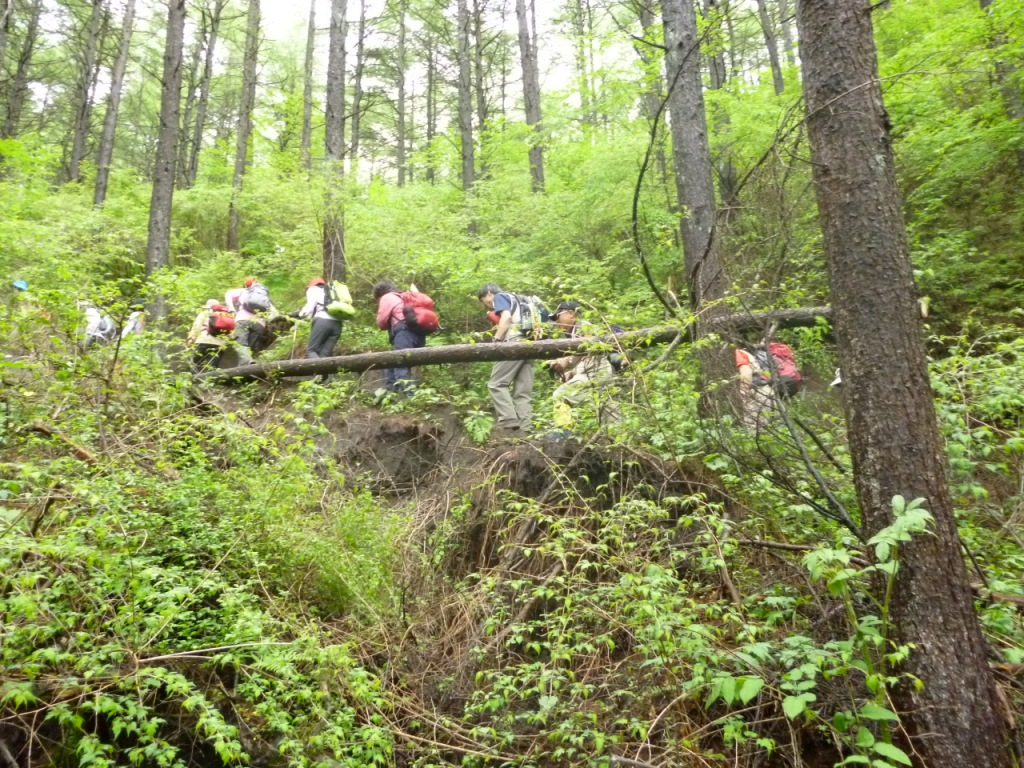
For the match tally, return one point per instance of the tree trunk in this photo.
(772, 45)
(357, 88)
(106, 149)
(6, 12)
(692, 155)
(537, 350)
(252, 47)
(954, 719)
(334, 147)
(84, 90)
(204, 95)
(400, 67)
(465, 100)
(787, 32)
(431, 108)
(158, 244)
(17, 91)
(1009, 85)
(727, 180)
(192, 78)
(307, 90)
(479, 82)
(531, 95)
(577, 19)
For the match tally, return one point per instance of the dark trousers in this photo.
(205, 356)
(322, 337)
(396, 379)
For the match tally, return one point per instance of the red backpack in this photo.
(418, 309)
(221, 321)
(782, 367)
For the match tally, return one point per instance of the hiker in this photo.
(326, 329)
(406, 330)
(210, 332)
(768, 375)
(511, 382)
(135, 323)
(99, 327)
(251, 306)
(582, 376)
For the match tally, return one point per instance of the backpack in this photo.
(256, 298)
(221, 321)
(532, 315)
(338, 300)
(418, 309)
(780, 369)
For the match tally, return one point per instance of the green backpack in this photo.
(338, 300)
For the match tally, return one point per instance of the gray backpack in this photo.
(256, 298)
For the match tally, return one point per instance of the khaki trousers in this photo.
(511, 387)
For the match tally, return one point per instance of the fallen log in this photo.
(522, 350)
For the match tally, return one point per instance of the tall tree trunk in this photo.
(1009, 85)
(479, 81)
(357, 89)
(204, 94)
(771, 44)
(577, 19)
(465, 99)
(954, 719)
(158, 243)
(192, 77)
(716, 14)
(17, 91)
(84, 89)
(654, 88)
(787, 32)
(692, 155)
(106, 149)
(531, 95)
(307, 90)
(6, 12)
(431, 108)
(252, 48)
(400, 67)
(334, 147)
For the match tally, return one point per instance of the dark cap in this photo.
(566, 306)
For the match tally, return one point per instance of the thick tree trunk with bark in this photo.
(334, 147)
(465, 99)
(357, 88)
(772, 45)
(105, 154)
(158, 243)
(306, 142)
(537, 350)
(955, 719)
(84, 89)
(6, 12)
(692, 155)
(401, 106)
(17, 89)
(531, 95)
(252, 47)
(204, 94)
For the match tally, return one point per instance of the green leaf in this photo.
(872, 711)
(750, 687)
(794, 706)
(864, 737)
(892, 752)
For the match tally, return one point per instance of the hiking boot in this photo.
(500, 434)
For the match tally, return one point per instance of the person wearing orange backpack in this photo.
(408, 318)
(768, 375)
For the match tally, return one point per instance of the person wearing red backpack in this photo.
(209, 337)
(408, 318)
(768, 374)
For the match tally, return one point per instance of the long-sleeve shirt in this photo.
(316, 303)
(233, 299)
(389, 311)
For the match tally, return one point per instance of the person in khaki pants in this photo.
(511, 382)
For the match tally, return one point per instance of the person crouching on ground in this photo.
(326, 330)
(391, 318)
(511, 382)
(581, 375)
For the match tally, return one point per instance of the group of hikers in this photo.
(244, 322)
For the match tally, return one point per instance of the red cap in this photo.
(316, 281)
(249, 281)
